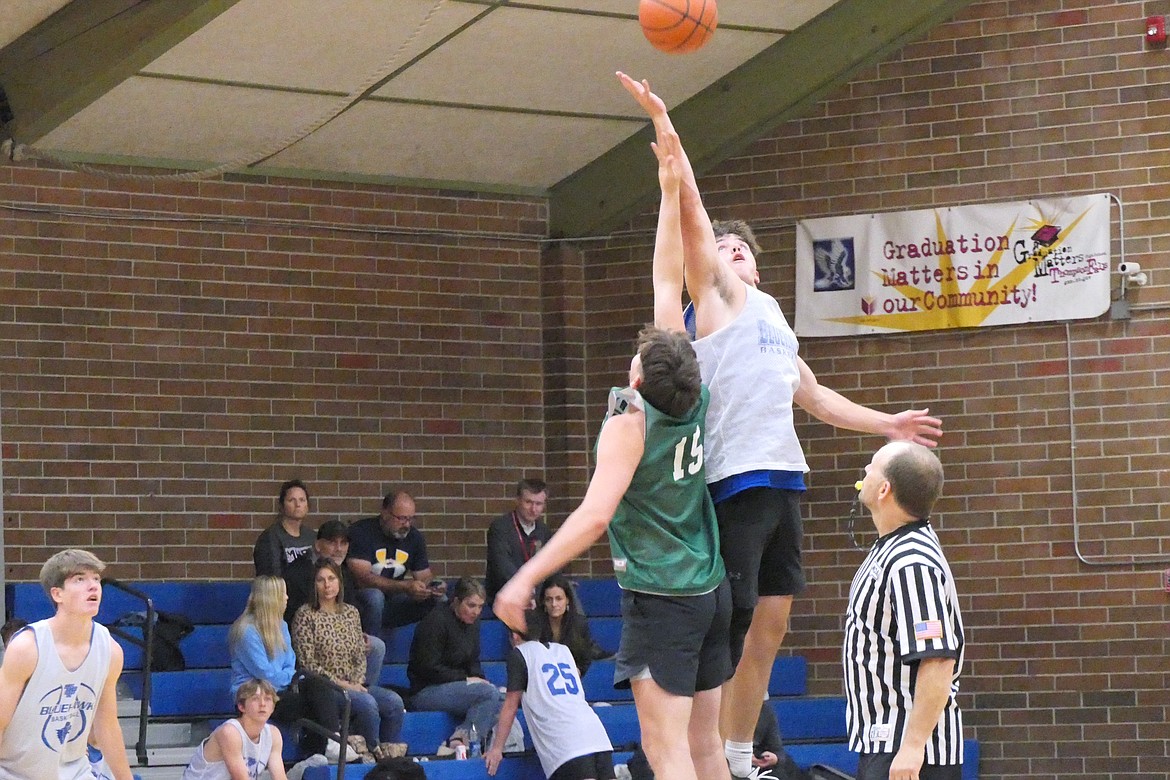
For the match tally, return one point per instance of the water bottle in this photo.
(474, 749)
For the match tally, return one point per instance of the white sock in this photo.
(739, 757)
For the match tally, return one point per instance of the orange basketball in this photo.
(677, 26)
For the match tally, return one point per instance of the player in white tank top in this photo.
(562, 724)
(59, 680)
(248, 743)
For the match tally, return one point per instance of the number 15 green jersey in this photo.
(664, 538)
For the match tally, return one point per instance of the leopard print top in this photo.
(330, 643)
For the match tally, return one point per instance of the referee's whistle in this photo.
(857, 486)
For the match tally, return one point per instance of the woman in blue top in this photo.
(261, 648)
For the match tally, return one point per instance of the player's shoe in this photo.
(757, 773)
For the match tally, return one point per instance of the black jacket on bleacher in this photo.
(444, 649)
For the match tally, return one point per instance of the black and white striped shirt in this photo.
(902, 608)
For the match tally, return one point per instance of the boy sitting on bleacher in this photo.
(569, 738)
(243, 747)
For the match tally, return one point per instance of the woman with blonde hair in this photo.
(327, 636)
(262, 649)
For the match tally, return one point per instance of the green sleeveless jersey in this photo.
(664, 538)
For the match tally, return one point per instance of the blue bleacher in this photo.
(194, 693)
(813, 727)
(204, 603)
(600, 598)
(205, 648)
(839, 755)
(606, 632)
(511, 768)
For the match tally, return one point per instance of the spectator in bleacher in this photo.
(289, 537)
(768, 748)
(332, 544)
(516, 535)
(11, 627)
(565, 622)
(327, 637)
(261, 648)
(568, 736)
(388, 557)
(7, 630)
(444, 670)
(242, 747)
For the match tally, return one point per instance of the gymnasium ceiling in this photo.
(472, 95)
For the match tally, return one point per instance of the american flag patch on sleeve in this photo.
(928, 629)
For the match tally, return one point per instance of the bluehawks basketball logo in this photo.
(254, 767)
(834, 264)
(774, 340)
(67, 711)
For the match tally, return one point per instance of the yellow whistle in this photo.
(857, 486)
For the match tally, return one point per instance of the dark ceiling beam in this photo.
(86, 49)
(779, 84)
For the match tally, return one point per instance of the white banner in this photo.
(957, 267)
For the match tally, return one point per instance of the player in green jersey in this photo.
(649, 492)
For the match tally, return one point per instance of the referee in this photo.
(903, 633)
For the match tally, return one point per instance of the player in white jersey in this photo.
(58, 682)
(567, 734)
(244, 747)
(755, 465)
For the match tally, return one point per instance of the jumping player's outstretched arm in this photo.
(619, 450)
(829, 406)
(107, 734)
(715, 289)
(668, 244)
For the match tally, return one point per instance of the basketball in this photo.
(678, 26)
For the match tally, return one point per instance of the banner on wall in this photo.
(957, 267)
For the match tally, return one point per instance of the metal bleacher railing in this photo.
(145, 642)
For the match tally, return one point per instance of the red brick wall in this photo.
(160, 377)
(1066, 672)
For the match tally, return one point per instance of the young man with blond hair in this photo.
(242, 748)
(58, 682)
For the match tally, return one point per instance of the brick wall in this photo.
(159, 377)
(171, 352)
(1066, 671)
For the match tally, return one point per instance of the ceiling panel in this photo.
(308, 44)
(500, 150)
(776, 15)
(490, 63)
(16, 16)
(484, 94)
(183, 120)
